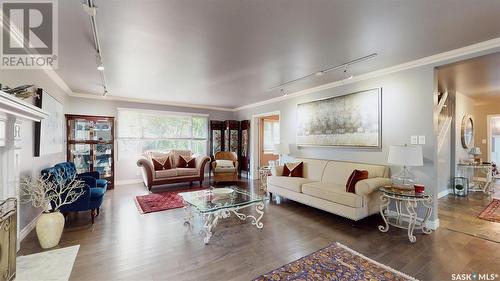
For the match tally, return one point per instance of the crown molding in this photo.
(58, 81)
(148, 101)
(441, 57)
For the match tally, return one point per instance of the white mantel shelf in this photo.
(17, 107)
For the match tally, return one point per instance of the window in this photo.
(271, 134)
(142, 130)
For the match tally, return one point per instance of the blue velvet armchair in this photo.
(94, 188)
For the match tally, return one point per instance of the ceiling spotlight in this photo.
(105, 93)
(347, 75)
(283, 93)
(98, 61)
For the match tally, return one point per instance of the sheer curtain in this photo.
(142, 130)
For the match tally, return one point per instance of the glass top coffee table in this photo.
(211, 207)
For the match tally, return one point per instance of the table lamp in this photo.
(281, 149)
(476, 151)
(406, 156)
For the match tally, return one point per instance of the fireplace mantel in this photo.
(10, 105)
(13, 111)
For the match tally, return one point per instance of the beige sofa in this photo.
(323, 186)
(175, 175)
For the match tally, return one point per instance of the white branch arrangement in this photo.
(49, 194)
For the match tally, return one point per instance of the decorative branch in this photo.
(51, 191)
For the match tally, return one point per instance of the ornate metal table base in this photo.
(405, 220)
(211, 219)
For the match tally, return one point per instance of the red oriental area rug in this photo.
(491, 212)
(156, 202)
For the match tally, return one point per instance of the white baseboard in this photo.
(125, 182)
(444, 193)
(429, 224)
(28, 228)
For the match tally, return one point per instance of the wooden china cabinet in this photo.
(90, 145)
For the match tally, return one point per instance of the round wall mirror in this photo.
(467, 132)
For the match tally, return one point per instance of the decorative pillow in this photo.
(161, 163)
(356, 176)
(224, 163)
(293, 170)
(186, 162)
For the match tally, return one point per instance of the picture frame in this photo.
(49, 133)
(353, 120)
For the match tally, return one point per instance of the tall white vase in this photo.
(49, 228)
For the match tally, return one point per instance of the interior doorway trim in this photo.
(488, 133)
(254, 141)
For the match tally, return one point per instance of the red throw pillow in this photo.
(356, 176)
(186, 163)
(293, 170)
(161, 163)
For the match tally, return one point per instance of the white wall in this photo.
(127, 170)
(31, 166)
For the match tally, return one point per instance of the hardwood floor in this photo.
(125, 245)
(460, 214)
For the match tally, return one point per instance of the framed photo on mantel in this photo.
(352, 120)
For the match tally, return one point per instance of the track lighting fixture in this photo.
(105, 93)
(90, 8)
(283, 92)
(347, 75)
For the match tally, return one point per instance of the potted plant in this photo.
(50, 193)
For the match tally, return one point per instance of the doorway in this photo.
(494, 138)
(269, 135)
(265, 133)
(475, 144)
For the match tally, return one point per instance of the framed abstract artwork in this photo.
(49, 138)
(352, 120)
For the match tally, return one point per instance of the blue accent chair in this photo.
(94, 188)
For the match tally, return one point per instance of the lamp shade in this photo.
(475, 151)
(281, 149)
(405, 155)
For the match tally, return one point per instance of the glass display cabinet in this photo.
(90, 144)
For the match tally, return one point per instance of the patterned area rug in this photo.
(156, 202)
(491, 212)
(335, 262)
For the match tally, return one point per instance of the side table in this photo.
(404, 200)
(264, 172)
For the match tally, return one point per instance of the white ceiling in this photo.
(229, 53)
(478, 78)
